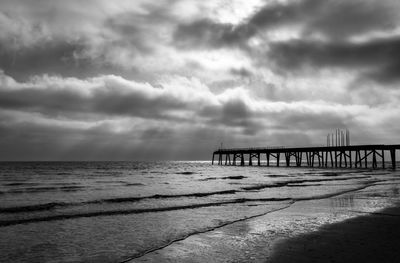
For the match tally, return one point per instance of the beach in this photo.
(351, 227)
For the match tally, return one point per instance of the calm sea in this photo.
(113, 211)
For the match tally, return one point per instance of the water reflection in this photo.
(395, 192)
(346, 201)
(241, 228)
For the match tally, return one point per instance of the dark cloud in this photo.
(381, 55)
(242, 72)
(205, 32)
(341, 19)
(27, 141)
(331, 18)
(110, 96)
(49, 57)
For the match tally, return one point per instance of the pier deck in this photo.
(357, 156)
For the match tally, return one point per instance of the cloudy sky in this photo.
(142, 79)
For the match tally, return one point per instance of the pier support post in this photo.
(393, 157)
(350, 159)
(365, 158)
(298, 159)
(277, 158)
(258, 159)
(335, 159)
(242, 159)
(358, 159)
(287, 157)
(312, 157)
(383, 159)
(213, 159)
(320, 162)
(374, 164)
(267, 159)
(250, 159)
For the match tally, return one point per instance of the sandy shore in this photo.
(353, 227)
(369, 238)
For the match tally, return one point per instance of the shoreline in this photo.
(288, 235)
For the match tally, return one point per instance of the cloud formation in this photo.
(143, 80)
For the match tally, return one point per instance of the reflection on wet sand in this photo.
(346, 201)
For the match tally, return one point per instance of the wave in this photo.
(32, 208)
(297, 182)
(57, 205)
(160, 196)
(67, 188)
(4, 223)
(233, 177)
(53, 205)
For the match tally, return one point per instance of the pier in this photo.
(349, 156)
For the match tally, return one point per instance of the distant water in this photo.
(112, 211)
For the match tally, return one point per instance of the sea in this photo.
(117, 211)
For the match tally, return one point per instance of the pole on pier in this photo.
(393, 157)
(349, 137)
(336, 137)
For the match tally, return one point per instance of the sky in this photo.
(173, 79)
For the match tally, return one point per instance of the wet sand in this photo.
(369, 238)
(353, 227)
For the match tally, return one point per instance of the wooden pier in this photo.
(354, 156)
